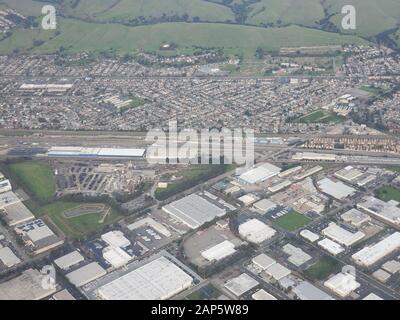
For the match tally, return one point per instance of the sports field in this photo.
(36, 177)
(76, 36)
(322, 269)
(292, 221)
(321, 116)
(77, 226)
(388, 193)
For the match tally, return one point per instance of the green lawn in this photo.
(388, 193)
(321, 116)
(78, 226)
(322, 269)
(36, 176)
(292, 221)
(77, 36)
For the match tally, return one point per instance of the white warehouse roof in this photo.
(115, 239)
(331, 246)
(159, 279)
(387, 211)
(69, 260)
(342, 284)
(86, 274)
(342, 235)
(260, 173)
(263, 295)
(8, 258)
(337, 190)
(241, 284)
(219, 251)
(256, 231)
(193, 210)
(372, 254)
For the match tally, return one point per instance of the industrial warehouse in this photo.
(193, 211)
(159, 279)
(101, 153)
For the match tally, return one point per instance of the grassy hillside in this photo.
(127, 10)
(373, 17)
(305, 12)
(77, 36)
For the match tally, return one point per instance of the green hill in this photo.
(75, 36)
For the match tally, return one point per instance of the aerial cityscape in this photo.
(197, 150)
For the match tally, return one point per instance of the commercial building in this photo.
(116, 256)
(219, 251)
(193, 211)
(372, 254)
(263, 262)
(341, 235)
(290, 171)
(263, 295)
(86, 274)
(5, 185)
(264, 205)
(355, 217)
(313, 156)
(308, 173)
(306, 291)
(159, 279)
(309, 235)
(331, 246)
(8, 258)
(279, 186)
(337, 190)
(349, 174)
(151, 223)
(241, 284)
(386, 211)
(67, 261)
(248, 199)
(63, 295)
(296, 255)
(37, 236)
(16, 213)
(27, 286)
(343, 284)
(115, 253)
(116, 239)
(256, 231)
(277, 271)
(259, 174)
(113, 153)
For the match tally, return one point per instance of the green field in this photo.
(292, 221)
(282, 12)
(321, 116)
(76, 36)
(322, 269)
(36, 177)
(78, 226)
(373, 17)
(127, 10)
(388, 193)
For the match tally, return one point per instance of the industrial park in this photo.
(224, 175)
